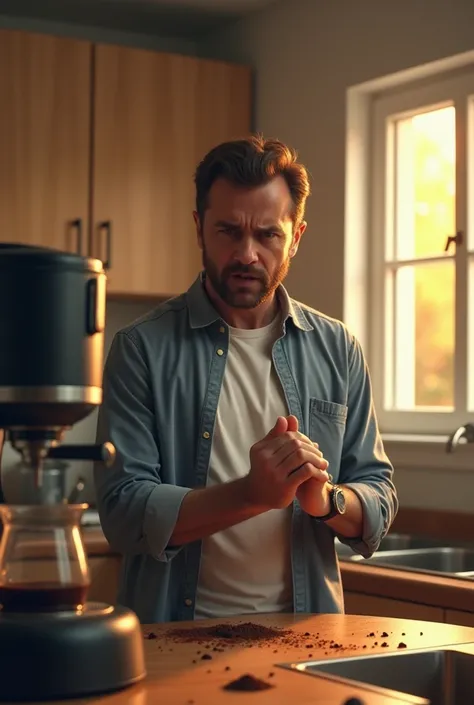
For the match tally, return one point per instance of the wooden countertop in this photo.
(177, 675)
(438, 591)
(95, 542)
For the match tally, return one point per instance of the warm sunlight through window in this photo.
(420, 275)
(423, 258)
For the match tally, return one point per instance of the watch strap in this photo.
(333, 512)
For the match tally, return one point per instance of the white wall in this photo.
(306, 55)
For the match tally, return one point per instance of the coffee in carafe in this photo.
(43, 566)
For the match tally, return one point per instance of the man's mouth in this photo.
(245, 277)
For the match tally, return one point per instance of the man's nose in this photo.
(246, 251)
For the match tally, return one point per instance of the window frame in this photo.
(451, 89)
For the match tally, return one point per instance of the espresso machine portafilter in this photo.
(52, 320)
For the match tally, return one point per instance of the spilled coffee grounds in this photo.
(247, 683)
(246, 631)
(222, 636)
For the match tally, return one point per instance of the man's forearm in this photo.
(206, 511)
(350, 524)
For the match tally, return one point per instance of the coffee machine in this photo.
(53, 642)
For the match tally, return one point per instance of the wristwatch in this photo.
(337, 500)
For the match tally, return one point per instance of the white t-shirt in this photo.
(246, 568)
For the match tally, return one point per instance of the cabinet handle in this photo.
(77, 224)
(106, 226)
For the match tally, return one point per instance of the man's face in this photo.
(247, 240)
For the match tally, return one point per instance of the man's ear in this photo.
(297, 235)
(197, 223)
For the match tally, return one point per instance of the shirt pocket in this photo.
(327, 423)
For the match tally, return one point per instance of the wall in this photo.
(96, 34)
(306, 55)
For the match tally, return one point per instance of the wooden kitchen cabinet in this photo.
(465, 619)
(155, 116)
(358, 603)
(103, 141)
(45, 89)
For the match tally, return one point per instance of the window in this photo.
(421, 304)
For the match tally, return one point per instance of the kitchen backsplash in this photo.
(119, 314)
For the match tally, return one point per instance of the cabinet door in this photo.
(464, 619)
(357, 603)
(45, 89)
(155, 115)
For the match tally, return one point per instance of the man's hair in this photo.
(251, 162)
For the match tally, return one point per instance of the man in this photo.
(230, 406)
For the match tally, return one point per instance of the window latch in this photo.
(458, 239)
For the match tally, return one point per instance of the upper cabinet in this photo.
(98, 148)
(155, 116)
(45, 94)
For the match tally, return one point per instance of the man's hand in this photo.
(279, 464)
(313, 495)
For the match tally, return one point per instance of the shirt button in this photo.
(220, 351)
(222, 329)
(188, 602)
(206, 434)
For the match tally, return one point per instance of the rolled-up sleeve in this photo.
(138, 512)
(365, 467)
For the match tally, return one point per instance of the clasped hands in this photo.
(285, 464)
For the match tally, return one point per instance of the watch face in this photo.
(340, 501)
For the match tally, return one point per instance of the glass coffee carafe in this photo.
(43, 565)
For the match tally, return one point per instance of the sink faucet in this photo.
(466, 431)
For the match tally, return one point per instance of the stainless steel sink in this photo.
(438, 677)
(393, 542)
(446, 561)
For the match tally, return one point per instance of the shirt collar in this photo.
(202, 313)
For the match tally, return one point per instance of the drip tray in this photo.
(441, 677)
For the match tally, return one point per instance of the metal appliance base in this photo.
(49, 656)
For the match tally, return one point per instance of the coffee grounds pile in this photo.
(222, 637)
(247, 683)
(227, 633)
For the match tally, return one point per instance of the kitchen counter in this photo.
(399, 584)
(177, 675)
(95, 542)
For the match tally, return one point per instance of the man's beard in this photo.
(236, 298)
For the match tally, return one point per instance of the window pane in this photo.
(425, 159)
(423, 336)
(470, 336)
(470, 172)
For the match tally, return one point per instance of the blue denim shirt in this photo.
(162, 380)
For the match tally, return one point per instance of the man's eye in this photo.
(270, 234)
